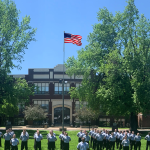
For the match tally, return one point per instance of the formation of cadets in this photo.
(98, 140)
(104, 139)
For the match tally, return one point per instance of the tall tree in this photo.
(14, 39)
(117, 62)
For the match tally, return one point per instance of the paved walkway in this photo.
(57, 128)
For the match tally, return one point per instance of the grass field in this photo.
(72, 134)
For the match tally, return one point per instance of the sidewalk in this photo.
(57, 128)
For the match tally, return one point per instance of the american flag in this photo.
(70, 38)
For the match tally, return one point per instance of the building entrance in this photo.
(58, 116)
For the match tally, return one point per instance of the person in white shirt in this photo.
(7, 138)
(125, 143)
(24, 138)
(107, 135)
(87, 138)
(14, 142)
(38, 137)
(83, 145)
(99, 138)
(132, 141)
(137, 141)
(148, 141)
(35, 139)
(51, 140)
(66, 140)
(79, 135)
(61, 141)
(90, 133)
(104, 140)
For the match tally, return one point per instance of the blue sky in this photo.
(53, 17)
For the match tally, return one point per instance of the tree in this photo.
(34, 113)
(115, 64)
(14, 39)
(86, 114)
(14, 35)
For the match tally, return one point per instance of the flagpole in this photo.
(63, 88)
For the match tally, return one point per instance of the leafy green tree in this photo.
(14, 39)
(115, 64)
(34, 112)
(86, 114)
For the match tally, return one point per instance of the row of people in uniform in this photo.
(103, 139)
(12, 141)
(99, 139)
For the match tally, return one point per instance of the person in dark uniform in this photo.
(148, 141)
(104, 140)
(112, 140)
(120, 140)
(0, 139)
(137, 141)
(94, 139)
(34, 138)
(79, 135)
(90, 133)
(38, 137)
(14, 142)
(107, 135)
(83, 145)
(125, 143)
(61, 141)
(66, 140)
(7, 138)
(24, 137)
(99, 138)
(87, 138)
(51, 140)
(132, 141)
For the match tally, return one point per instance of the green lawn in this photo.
(72, 134)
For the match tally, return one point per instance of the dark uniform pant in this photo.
(132, 144)
(147, 144)
(107, 144)
(14, 147)
(7, 145)
(61, 144)
(34, 143)
(66, 146)
(117, 142)
(99, 145)
(112, 145)
(51, 145)
(104, 143)
(126, 148)
(79, 140)
(24, 145)
(94, 144)
(38, 145)
(137, 145)
(120, 147)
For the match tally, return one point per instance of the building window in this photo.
(80, 105)
(43, 103)
(41, 88)
(104, 122)
(58, 88)
(21, 108)
(78, 85)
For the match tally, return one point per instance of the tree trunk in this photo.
(133, 122)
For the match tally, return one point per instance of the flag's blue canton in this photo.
(67, 35)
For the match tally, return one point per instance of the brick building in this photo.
(49, 97)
